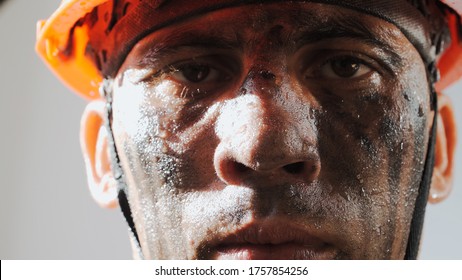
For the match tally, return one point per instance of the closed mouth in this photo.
(272, 241)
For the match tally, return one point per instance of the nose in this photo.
(266, 140)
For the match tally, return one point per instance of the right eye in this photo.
(198, 77)
(197, 73)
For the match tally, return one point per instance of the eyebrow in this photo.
(334, 28)
(186, 39)
(345, 27)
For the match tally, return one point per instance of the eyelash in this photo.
(224, 70)
(321, 58)
(218, 71)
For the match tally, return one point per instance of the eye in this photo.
(197, 73)
(193, 73)
(197, 77)
(344, 67)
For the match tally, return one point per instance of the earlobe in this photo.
(446, 140)
(94, 144)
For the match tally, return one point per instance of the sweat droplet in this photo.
(317, 225)
(359, 178)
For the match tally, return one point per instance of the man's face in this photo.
(282, 131)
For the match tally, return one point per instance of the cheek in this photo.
(372, 143)
(163, 144)
(162, 132)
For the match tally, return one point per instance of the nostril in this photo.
(294, 168)
(267, 75)
(239, 167)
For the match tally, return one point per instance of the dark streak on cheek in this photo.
(352, 143)
(337, 147)
(191, 113)
(392, 137)
(373, 104)
(421, 138)
(402, 134)
(343, 159)
(395, 135)
(348, 133)
(152, 162)
(389, 130)
(370, 98)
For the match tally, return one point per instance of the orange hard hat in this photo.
(78, 72)
(81, 74)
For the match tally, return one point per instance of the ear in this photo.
(446, 140)
(94, 144)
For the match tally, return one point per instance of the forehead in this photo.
(284, 25)
(244, 21)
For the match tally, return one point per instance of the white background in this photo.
(224, 270)
(46, 211)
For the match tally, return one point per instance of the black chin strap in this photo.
(124, 204)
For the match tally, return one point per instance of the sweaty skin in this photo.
(250, 133)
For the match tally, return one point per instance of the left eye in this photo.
(344, 68)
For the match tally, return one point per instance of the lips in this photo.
(272, 241)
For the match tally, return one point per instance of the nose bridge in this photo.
(282, 135)
(260, 131)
